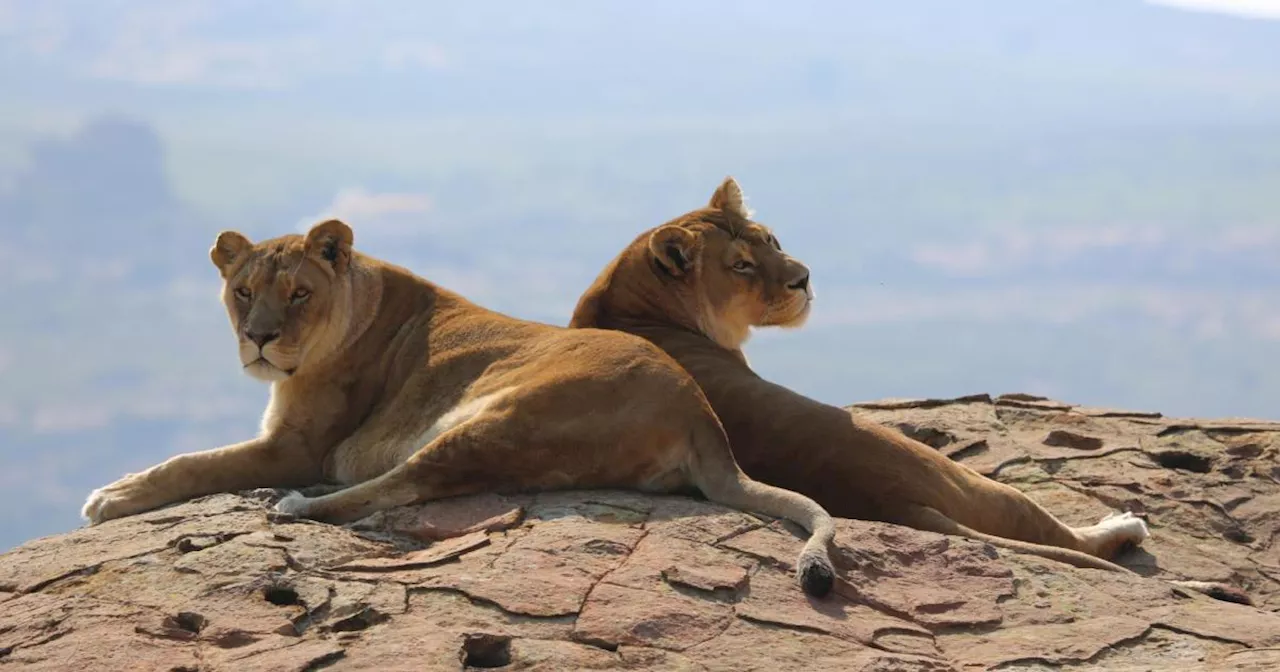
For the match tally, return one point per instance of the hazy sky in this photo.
(1076, 198)
(1253, 9)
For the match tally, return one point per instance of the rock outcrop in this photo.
(619, 580)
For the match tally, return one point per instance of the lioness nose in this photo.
(262, 338)
(801, 284)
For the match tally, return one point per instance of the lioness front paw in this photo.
(295, 504)
(124, 497)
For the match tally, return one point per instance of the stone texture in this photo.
(449, 518)
(621, 580)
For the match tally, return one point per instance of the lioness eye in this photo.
(300, 294)
(244, 293)
(743, 265)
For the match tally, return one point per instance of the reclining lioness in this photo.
(407, 392)
(696, 285)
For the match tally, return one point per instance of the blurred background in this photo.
(1073, 198)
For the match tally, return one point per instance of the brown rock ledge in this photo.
(618, 580)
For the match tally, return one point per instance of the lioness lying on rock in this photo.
(697, 285)
(406, 392)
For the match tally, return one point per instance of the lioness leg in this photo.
(981, 508)
(261, 462)
(926, 518)
(1003, 510)
(929, 519)
(451, 465)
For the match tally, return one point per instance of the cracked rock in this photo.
(602, 580)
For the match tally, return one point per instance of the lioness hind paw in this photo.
(816, 575)
(1132, 529)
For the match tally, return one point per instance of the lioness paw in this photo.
(94, 506)
(116, 500)
(1115, 533)
(1126, 526)
(295, 504)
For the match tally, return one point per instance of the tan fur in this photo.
(677, 286)
(701, 312)
(407, 392)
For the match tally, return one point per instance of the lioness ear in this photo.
(331, 241)
(674, 249)
(729, 198)
(226, 248)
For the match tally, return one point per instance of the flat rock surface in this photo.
(599, 580)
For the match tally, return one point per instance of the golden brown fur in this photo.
(684, 287)
(406, 392)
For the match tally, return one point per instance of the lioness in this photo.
(407, 392)
(698, 284)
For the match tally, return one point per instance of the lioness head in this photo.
(713, 270)
(288, 298)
